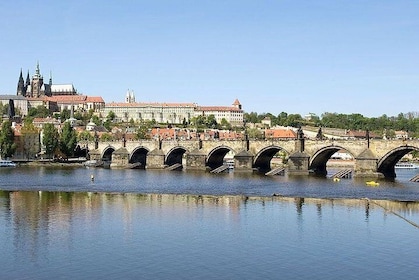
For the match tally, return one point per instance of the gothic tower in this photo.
(37, 83)
(28, 82)
(130, 97)
(21, 89)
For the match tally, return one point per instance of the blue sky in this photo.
(293, 56)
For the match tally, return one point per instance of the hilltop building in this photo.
(35, 87)
(174, 113)
(233, 114)
(55, 97)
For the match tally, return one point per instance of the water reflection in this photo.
(32, 214)
(95, 235)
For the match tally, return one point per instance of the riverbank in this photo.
(50, 163)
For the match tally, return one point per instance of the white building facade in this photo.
(173, 113)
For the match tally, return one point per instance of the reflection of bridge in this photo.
(372, 157)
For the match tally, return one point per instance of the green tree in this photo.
(254, 133)
(85, 136)
(107, 124)
(211, 122)
(282, 118)
(225, 124)
(68, 139)
(111, 116)
(142, 133)
(106, 137)
(294, 120)
(50, 139)
(65, 114)
(30, 136)
(96, 120)
(251, 117)
(7, 145)
(39, 112)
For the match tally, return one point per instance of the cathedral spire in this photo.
(21, 84)
(20, 76)
(37, 71)
(50, 77)
(28, 80)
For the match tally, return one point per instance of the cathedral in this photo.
(36, 87)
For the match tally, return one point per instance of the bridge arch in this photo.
(107, 153)
(139, 155)
(264, 157)
(216, 156)
(388, 161)
(175, 155)
(106, 156)
(319, 160)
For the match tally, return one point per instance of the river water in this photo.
(136, 224)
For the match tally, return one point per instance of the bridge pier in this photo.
(366, 165)
(196, 160)
(243, 162)
(120, 158)
(298, 164)
(155, 159)
(95, 155)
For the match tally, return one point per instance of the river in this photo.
(140, 224)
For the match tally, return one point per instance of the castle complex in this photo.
(34, 92)
(36, 87)
(174, 113)
(55, 97)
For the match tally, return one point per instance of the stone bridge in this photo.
(373, 158)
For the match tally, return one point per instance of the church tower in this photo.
(21, 89)
(237, 104)
(28, 82)
(37, 83)
(130, 97)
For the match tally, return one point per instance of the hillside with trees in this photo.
(408, 122)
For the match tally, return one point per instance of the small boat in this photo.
(336, 179)
(372, 183)
(406, 165)
(7, 163)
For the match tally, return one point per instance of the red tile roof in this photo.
(95, 99)
(68, 98)
(236, 102)
(280, 133)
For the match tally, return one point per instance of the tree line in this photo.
(408, 122)
(56, 143)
